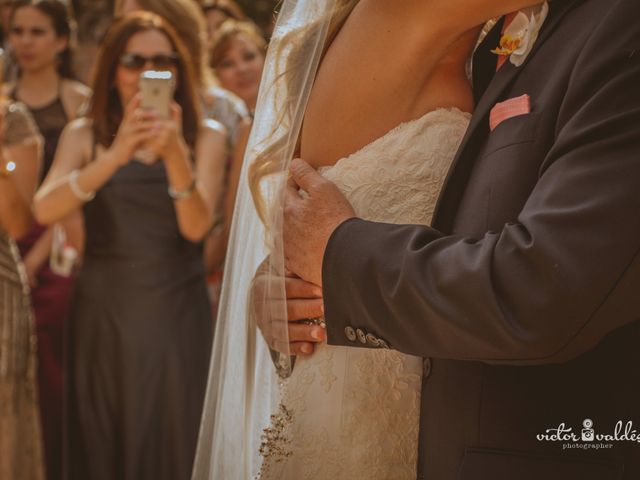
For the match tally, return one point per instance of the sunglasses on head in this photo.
(134, 61)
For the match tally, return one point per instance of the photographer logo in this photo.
(589, 438)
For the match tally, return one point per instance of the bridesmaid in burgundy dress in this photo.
(39, 36)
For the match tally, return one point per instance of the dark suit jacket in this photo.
(524, 297)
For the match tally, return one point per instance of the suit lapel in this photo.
(484, 61)
(479, 126)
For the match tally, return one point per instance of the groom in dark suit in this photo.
(524, 296)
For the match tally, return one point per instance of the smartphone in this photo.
(157, 91)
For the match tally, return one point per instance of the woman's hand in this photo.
(138, 126)
(168, 136)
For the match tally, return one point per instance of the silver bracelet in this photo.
(77, 191)
(182, 194)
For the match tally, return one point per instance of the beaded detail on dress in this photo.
(21, 456)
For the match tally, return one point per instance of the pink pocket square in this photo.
(513, 107)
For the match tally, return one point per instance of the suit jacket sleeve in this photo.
(551, 284)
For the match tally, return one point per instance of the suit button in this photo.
(426, 367)
(383, 344)
(362, 338)
(350, 333)
(372, 340)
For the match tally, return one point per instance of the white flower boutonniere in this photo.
(518, 39)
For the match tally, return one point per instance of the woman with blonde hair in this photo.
(237, 57)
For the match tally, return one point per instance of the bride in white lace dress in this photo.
(356, 411)
(386, 114)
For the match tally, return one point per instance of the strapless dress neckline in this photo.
(410, 125)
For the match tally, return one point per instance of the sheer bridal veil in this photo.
(241, 410)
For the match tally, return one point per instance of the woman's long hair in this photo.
(106, 108)
(63, 24)
(268, 161)
(186, 17)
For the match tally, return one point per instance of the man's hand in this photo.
(309, 221)
(304, 300)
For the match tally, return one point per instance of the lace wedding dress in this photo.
(355, 411)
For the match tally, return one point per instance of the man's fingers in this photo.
(299, 332)
(297, 288)
(293, 348)
(301, 348)
(301, 309)
(304, 175)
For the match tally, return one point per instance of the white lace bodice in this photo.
(356, 410)
(398, 177)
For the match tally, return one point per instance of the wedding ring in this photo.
(314, 321)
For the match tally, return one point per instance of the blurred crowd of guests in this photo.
(114, 223)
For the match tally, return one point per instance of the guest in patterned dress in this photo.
(21, 455)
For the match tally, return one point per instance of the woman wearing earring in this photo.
(20, 438)
(140, 325)
(39, 35)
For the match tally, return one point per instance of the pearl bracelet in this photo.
(77, 191)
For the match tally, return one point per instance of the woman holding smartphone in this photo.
(218, 104)
(20, 436)
(140, 329)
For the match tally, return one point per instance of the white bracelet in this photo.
(77, 191)
(182, 194)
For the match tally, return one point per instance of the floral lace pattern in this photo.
(356, 411)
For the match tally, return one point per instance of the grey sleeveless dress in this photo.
(140, 334)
